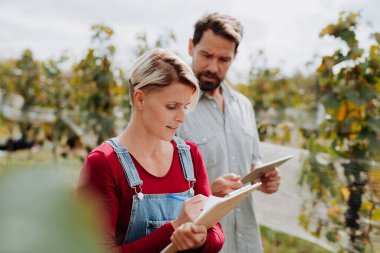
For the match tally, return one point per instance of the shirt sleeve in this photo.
(257, 156)
(215, 235)
(99, 179)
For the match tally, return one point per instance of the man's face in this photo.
(212, 57)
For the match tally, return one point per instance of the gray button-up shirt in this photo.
(229, 143)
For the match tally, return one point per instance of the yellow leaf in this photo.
(334, 211)
(329, 30)
(321, 68)
(376, 215)
(366, 206)
(345, 192)
(342, 112)
(374, 52)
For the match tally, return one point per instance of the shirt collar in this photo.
(227, 92)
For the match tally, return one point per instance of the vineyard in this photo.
(333, 114)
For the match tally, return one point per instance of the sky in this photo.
(286, 31)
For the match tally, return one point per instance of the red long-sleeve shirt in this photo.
(103, 175)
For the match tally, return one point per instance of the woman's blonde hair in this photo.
(160, 68)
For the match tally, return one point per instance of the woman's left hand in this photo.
(189, 236)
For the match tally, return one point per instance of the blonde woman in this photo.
(142, 175)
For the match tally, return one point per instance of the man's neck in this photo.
(217, 94)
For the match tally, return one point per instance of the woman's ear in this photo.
(138, 98)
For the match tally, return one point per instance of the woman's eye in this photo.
(171, 107)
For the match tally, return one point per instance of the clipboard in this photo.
(262, 169)
(216, 208)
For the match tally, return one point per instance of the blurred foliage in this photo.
(274, 241)
(98, 88)
(39, 213)
(345, 151)
(285, 107)
(164, 40)
(80, 107)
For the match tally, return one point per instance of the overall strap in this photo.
(126, 162)
(185, 157)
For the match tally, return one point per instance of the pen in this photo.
(180, 198)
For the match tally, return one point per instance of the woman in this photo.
(141, 174)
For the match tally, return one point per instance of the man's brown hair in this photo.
(222, 25)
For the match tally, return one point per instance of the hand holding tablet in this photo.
(262, 169)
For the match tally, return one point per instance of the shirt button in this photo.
(239, 235)
(214, 105)
(233, 157)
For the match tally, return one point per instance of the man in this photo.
(223, 126)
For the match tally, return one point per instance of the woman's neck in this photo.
(138, 141)
(153, 154)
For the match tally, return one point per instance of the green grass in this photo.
(25, 160)
(276, 242)
(273, 242)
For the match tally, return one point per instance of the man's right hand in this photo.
(225, 184)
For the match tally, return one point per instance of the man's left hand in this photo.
(270, 181)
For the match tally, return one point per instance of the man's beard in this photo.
(209, 85)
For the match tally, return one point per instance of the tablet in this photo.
(262, 169)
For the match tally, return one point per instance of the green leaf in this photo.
(374, 124)
(330, 101)
(354, 97)
(367, 93)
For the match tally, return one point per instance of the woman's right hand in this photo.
(190, 211)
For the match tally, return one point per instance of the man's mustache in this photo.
(209, 75)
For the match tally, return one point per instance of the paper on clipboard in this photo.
(262, 169)
(216, 208)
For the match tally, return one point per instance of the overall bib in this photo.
(151, 211)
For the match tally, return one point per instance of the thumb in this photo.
(232, 177)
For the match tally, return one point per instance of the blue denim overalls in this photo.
(151, 211)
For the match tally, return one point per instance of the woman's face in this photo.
(164, 109)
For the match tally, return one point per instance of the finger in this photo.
(235, 185)
(272, 173)
(198, 206)
(177, 241)
(271, 183)
(272, 179)
(198, 229)
(232, 186)
(255, 181)
(270, 187)
(185, 236)
(197, 198)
